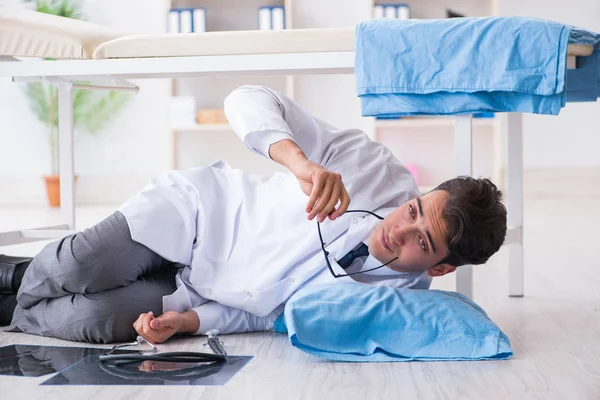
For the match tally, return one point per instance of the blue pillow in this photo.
(356, 322)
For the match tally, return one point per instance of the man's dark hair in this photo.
(475, 220)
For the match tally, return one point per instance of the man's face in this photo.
(415, 233)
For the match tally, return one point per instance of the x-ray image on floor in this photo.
(91, 371)
(35, 361)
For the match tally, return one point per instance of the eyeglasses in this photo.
(327, 253)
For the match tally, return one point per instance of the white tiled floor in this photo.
(554, 329)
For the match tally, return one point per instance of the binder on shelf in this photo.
(264, 19)
(278, 18)
(390, 11)
(271, 18)
(173, 21)
(185, 21)
(403, 11)
(199, 20)
(395, 11)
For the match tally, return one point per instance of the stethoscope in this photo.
(115, 363)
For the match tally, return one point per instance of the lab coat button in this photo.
(249, 294)
(210, 291)
(355, 220)
(292, 280)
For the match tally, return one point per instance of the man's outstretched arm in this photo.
(198, 320)
(272, 125)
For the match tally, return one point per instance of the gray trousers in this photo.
(91, 286)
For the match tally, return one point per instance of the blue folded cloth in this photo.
(355, 322)
(462, 65)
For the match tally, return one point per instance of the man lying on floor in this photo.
(217, 248)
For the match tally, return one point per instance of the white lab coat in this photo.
(246, 242)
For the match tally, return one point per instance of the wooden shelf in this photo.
(424, 122)
(202, 128)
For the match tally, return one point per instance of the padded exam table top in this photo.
(31, 34)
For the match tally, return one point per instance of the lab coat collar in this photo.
(361, 226)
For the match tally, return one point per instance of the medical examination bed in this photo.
(97, 54)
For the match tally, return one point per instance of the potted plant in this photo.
(92, 110)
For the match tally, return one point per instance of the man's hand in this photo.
(159, 329)
(324, 188)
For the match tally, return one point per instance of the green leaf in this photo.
(107, 107)
(81, 104)
(62, 8)
(38, 95)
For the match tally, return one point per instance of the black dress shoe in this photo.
(7, 270)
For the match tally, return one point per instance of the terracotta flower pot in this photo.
(53, 189)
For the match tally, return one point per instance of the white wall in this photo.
(571, 139)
